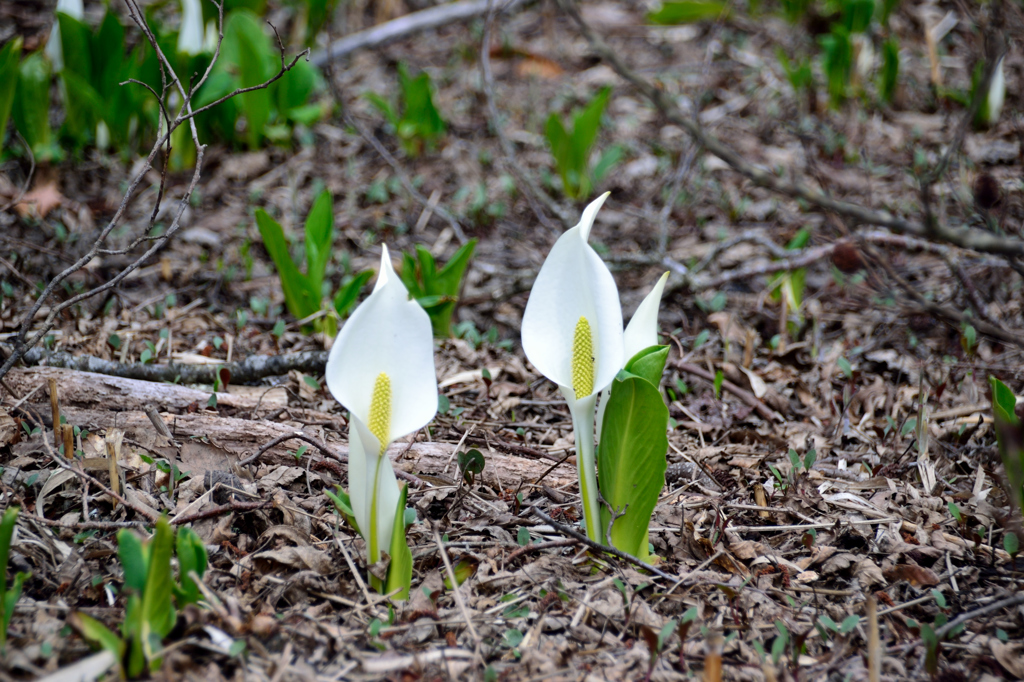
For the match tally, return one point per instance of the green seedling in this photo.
(788, 287)
(572, 150)
(889, 75)
(152, 593)
(248, 58)
(8, 594)
(437, 290)
(1010, 436)
(303, 293)
(415, 119)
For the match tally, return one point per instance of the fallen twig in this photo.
(405, 26)
(223, 509)
(746, 396)
(601, 548)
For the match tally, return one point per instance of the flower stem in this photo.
(586, 465)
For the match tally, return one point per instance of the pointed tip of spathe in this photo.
(387, 271)
(589, 213)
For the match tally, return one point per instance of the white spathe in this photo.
(190, 33)
(387, 334)
(642, 330)
(641, 333)
(54, 49)
(574, 282)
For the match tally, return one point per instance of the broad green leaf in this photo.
(108, 56)
(688, 12)
(297, 293)
(191, 557)
(296, 86)
(157, 614)
(133, 560)
(97, 633)
(31, 109)
(319, 239)
(76, 43)
(608, 160)
(649, 364)
(84, 107)
(400, 569)
(247, 47)
(632, 460)
(9, 56)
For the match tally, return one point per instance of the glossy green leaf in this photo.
(76, 43)
(631, 460)
(649, 364)
(688, 12)
(343, 504)
(400, 568)
(8, 597)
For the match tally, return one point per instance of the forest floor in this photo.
(846, 455)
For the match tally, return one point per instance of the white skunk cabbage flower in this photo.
(190, 33)
(572, 333)
(641, 333)
(381, 368)
(54, 49)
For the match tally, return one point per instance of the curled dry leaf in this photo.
(917, 576)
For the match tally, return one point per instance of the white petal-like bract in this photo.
(388, 333)
(190, 33)
(642, 330)
(574, 282)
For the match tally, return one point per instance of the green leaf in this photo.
(1010, 438)
(523, 536)
(246, 47)
(31, 108)
(10, 598)
(471, 463)
(134, 560)
(688, 12)
(383, 106)
(157, 614)
(512, 638)
(463, 569)
(631, 460)
(348, 294)
(319, 239)
(1011, 543)
(9, 55)
(558, 140)
(649, 364)
(96, 632)
(848, 624)
(76, 44)
(301, 300)
(400, 569)
(192, 557)
(343, 504)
